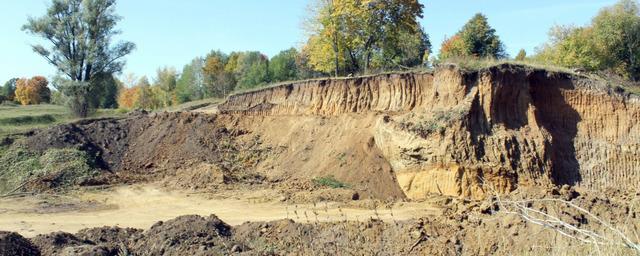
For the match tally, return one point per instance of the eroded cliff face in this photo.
(452, 131)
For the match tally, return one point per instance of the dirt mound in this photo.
(110, 236)
(57, 243)
(184, 235)
(13, 244)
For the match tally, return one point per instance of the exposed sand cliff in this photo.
(449, 131)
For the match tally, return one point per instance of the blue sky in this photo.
(171, 32)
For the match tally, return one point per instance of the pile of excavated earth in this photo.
(526, 161)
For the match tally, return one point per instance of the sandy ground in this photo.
(140, 206)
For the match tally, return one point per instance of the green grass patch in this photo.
(330, 181)
(191, 105)
(18, 119)
(475, 64)
(27, 120)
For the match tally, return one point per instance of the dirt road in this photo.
(140, 206)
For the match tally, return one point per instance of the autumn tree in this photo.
(145, 95)
(452, 47)
(476, 39)
(79, 34)
(218, 71)
(164, 87)
(346, 36)
(522, 54)
(32, 91)
(128, 97)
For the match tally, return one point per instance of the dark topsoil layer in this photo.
(140, 141)
(145, 146)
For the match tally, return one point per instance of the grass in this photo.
(474, 64)
(191, 105)
(18, 119)
(330, 181)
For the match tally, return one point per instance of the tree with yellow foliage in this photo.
(32, 91)
(347, 35)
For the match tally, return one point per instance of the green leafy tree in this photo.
(104, 88)
(610, 42)
(252, 70)
(80, 33)
(9, 89)
(476, 39)
(572, 47)
(616, 30)
(406, 49)
(191, 82)
(283, 66)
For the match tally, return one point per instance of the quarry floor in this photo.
(141, 205)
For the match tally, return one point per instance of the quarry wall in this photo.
(451, 131)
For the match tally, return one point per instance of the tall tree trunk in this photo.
(87, 73)
(336, 53)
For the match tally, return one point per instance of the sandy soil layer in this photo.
(139, 206)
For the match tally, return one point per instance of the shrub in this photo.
(66, 166)
(78, 98)
(330, 181)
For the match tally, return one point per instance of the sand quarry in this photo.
(507, 160)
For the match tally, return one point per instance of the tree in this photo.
(616, 30)
(104, 87)
(610, 42)
(283, 66)
(522, 54)
(79, 33)
(452, 47)
(128, 97)
(145, 95)
(347, 36)
(9, 88)
(164, 87)
(218, 70)
(32, 91)
(190, 85)
(476, 39)
(252, 69)
(406, 49)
